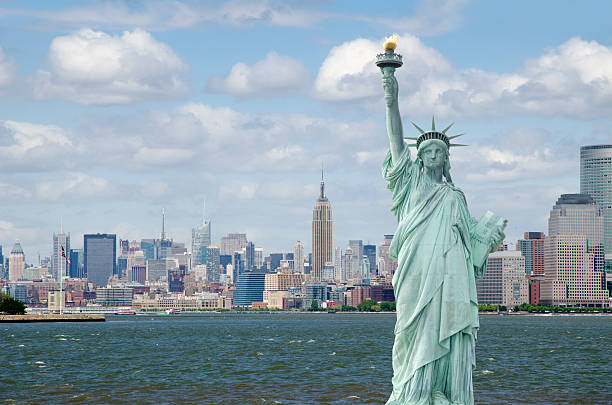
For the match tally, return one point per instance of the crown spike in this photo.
(455, 136)
(411, 138)
(456, 144)
(418, 128)
(412, 144)
(433, 123)
(448, 127)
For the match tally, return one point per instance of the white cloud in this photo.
(31, 147)
(92, 67)
(238, 190)
(274, 75)
(163, 156)
(574, 79)
(7, 70)
(75, 185)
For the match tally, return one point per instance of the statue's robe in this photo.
(435, 289)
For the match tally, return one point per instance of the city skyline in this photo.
(241, 104)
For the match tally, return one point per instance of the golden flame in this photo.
(391, 42)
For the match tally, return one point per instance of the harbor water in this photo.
(289, 358)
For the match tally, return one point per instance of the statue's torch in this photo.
(389, 61)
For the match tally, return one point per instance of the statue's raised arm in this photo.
(394, 121)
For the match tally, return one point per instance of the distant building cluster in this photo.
(572, 266)
(568, 266)
(160, 274)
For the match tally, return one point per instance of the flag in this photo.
(64, 256)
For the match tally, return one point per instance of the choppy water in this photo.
(284, 358)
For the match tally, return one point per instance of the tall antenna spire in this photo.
(204, 212)
(163, 234)
(61, 225)
(322, 183)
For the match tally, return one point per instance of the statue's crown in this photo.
(433, 134)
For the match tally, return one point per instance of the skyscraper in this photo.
(321, 233)
(390, 263)
(504, 281)
(532, 248)
(16, 262)
(212, 264)
(298, 257)
(100, 257)
(596, 181)
(573, 254)
(370, 252)
(357, 247)
(233, 242)
(61, 243)
(249, 256)
(77, 266)
(200, 236)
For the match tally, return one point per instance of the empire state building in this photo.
(321, 234)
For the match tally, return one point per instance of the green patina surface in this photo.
(440, 249)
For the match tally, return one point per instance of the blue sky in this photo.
(111, 110)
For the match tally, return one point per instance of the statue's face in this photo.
(434, 155)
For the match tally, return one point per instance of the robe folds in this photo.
(435, 289)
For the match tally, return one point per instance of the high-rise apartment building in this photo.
(249, 288)
(321, 234)
(574, 254)
(504, 281)
(16, 262)
(200, 237)
(532, 248)
(212, 263)
(298, 257)
(233, 242)
(60, 255)
(100, 257)
(338, 265)
(596, 181)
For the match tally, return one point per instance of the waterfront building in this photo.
(298, 257)
(99, 257)
(249, 288)
(212, 263)
(315, 292)
(574, 254)
(504, 282)
(596, 181)
(532, 248)
(360, 293)
(380, 293)
(370, 252)
(233, 242)
(114, 296)
(16, 262)
(283, 281)
(200, 238)
(60, 255)
(322, 231)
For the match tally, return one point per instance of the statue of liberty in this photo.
(440, 250)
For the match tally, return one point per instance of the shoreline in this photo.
(28, 318)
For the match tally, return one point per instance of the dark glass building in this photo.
(77, 267)
(370, 252)
(249, 288)
(100, 257)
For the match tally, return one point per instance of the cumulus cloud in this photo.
(75, 185)
(573, 79)
(272, 76)
(7, 70)
(32, 147)
(168, 15)
(92, 67)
